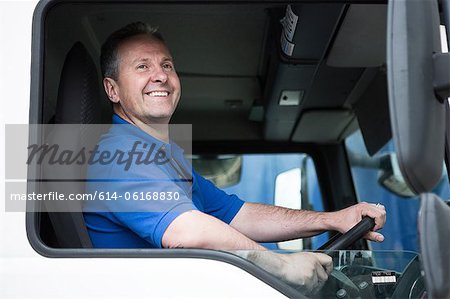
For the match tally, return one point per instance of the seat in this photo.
(77, 103)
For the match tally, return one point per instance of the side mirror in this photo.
(418, 84)
(288, 187)
(390, 177)
(223, 170)
(291, 191)
(433, 230)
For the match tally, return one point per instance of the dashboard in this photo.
(374, 274)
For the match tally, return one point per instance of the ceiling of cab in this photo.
(217, 49)
(223, 55)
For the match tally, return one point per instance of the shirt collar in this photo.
(117, 120)
(170, 148)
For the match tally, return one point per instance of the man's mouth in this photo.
(157, 93)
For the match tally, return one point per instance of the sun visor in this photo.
(324, 126)
(417, 116)
(361, 40)
(372, 111)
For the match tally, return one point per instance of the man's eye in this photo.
(142, 66)
(167, 66)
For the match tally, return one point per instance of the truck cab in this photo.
(287, 103)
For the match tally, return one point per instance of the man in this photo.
(141, 82)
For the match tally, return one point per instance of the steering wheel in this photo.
(343, 241)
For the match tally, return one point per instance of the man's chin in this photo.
(162, 118)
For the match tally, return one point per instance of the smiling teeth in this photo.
(158, 94)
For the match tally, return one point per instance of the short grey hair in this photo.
(109, 60)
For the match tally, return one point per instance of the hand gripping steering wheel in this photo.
(343, 241)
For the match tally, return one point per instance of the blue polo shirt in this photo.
(141, 184)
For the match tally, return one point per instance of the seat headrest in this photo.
(78, 94)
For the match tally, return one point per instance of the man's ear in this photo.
(111, 89)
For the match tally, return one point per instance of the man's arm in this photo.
(265, 223)
(193, 229)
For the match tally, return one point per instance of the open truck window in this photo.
(241, 98)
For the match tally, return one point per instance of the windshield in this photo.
(374, 180)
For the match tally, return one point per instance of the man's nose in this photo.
(159, 75)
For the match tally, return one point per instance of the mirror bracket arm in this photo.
(441, 76)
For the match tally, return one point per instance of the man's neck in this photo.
(157, 130)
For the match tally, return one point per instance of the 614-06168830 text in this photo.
(128, 196)
(139, 195)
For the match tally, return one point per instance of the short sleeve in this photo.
(214, 201)
(146, 202)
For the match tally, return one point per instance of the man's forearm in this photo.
(265, 223)
(194, 229)
(270, 261)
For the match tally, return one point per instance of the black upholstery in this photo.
(434, 232)
(77, 103)
(78, 92)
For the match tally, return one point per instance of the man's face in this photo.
(147, 89)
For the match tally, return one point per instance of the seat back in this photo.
(77, 103)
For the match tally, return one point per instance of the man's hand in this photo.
(345, 219)
(306, 271)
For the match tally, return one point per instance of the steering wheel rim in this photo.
(343, 241)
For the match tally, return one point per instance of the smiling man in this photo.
(141, 82)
